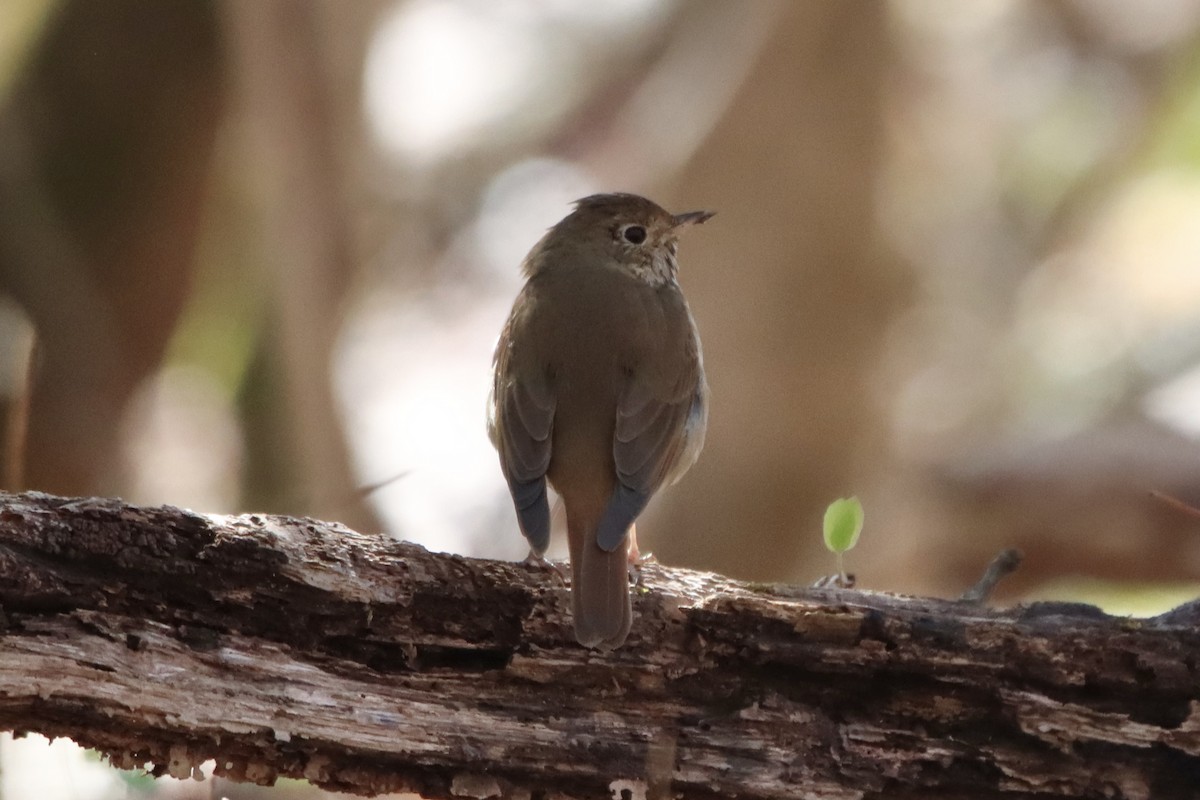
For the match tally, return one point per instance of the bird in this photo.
(599, 391)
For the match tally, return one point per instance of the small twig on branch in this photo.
(1005, 563)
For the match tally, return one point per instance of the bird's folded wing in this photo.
(520, 422)
(659, 432)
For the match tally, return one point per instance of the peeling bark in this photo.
(291, 647)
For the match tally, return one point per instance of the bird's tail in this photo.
(600, 600)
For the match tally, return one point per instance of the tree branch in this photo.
(290, 647)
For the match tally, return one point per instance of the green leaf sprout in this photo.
(843, 524)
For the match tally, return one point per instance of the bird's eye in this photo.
(634, 234)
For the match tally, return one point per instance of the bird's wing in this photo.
(520, 421)
(661, 419)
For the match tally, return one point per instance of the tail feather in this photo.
(600, 601)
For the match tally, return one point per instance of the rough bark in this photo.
(290, 647)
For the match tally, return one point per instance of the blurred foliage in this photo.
(23, 22)
(227, 314)
(1176, 132)
(1119, 597)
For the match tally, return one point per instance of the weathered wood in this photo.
(290, 647)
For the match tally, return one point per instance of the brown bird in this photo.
(599, 388)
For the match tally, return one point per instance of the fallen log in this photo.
(292, 647)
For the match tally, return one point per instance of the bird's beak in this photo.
(691, 218)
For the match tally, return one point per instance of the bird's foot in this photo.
(538, 562)
(635, 566)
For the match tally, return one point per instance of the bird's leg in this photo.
(637, 559)
(636, 556)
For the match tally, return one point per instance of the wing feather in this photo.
(520, 423)
(661, 419)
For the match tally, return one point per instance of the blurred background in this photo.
(254, 256)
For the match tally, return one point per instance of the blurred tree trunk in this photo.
(794, 280)
(104, 152)
(301, 462)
